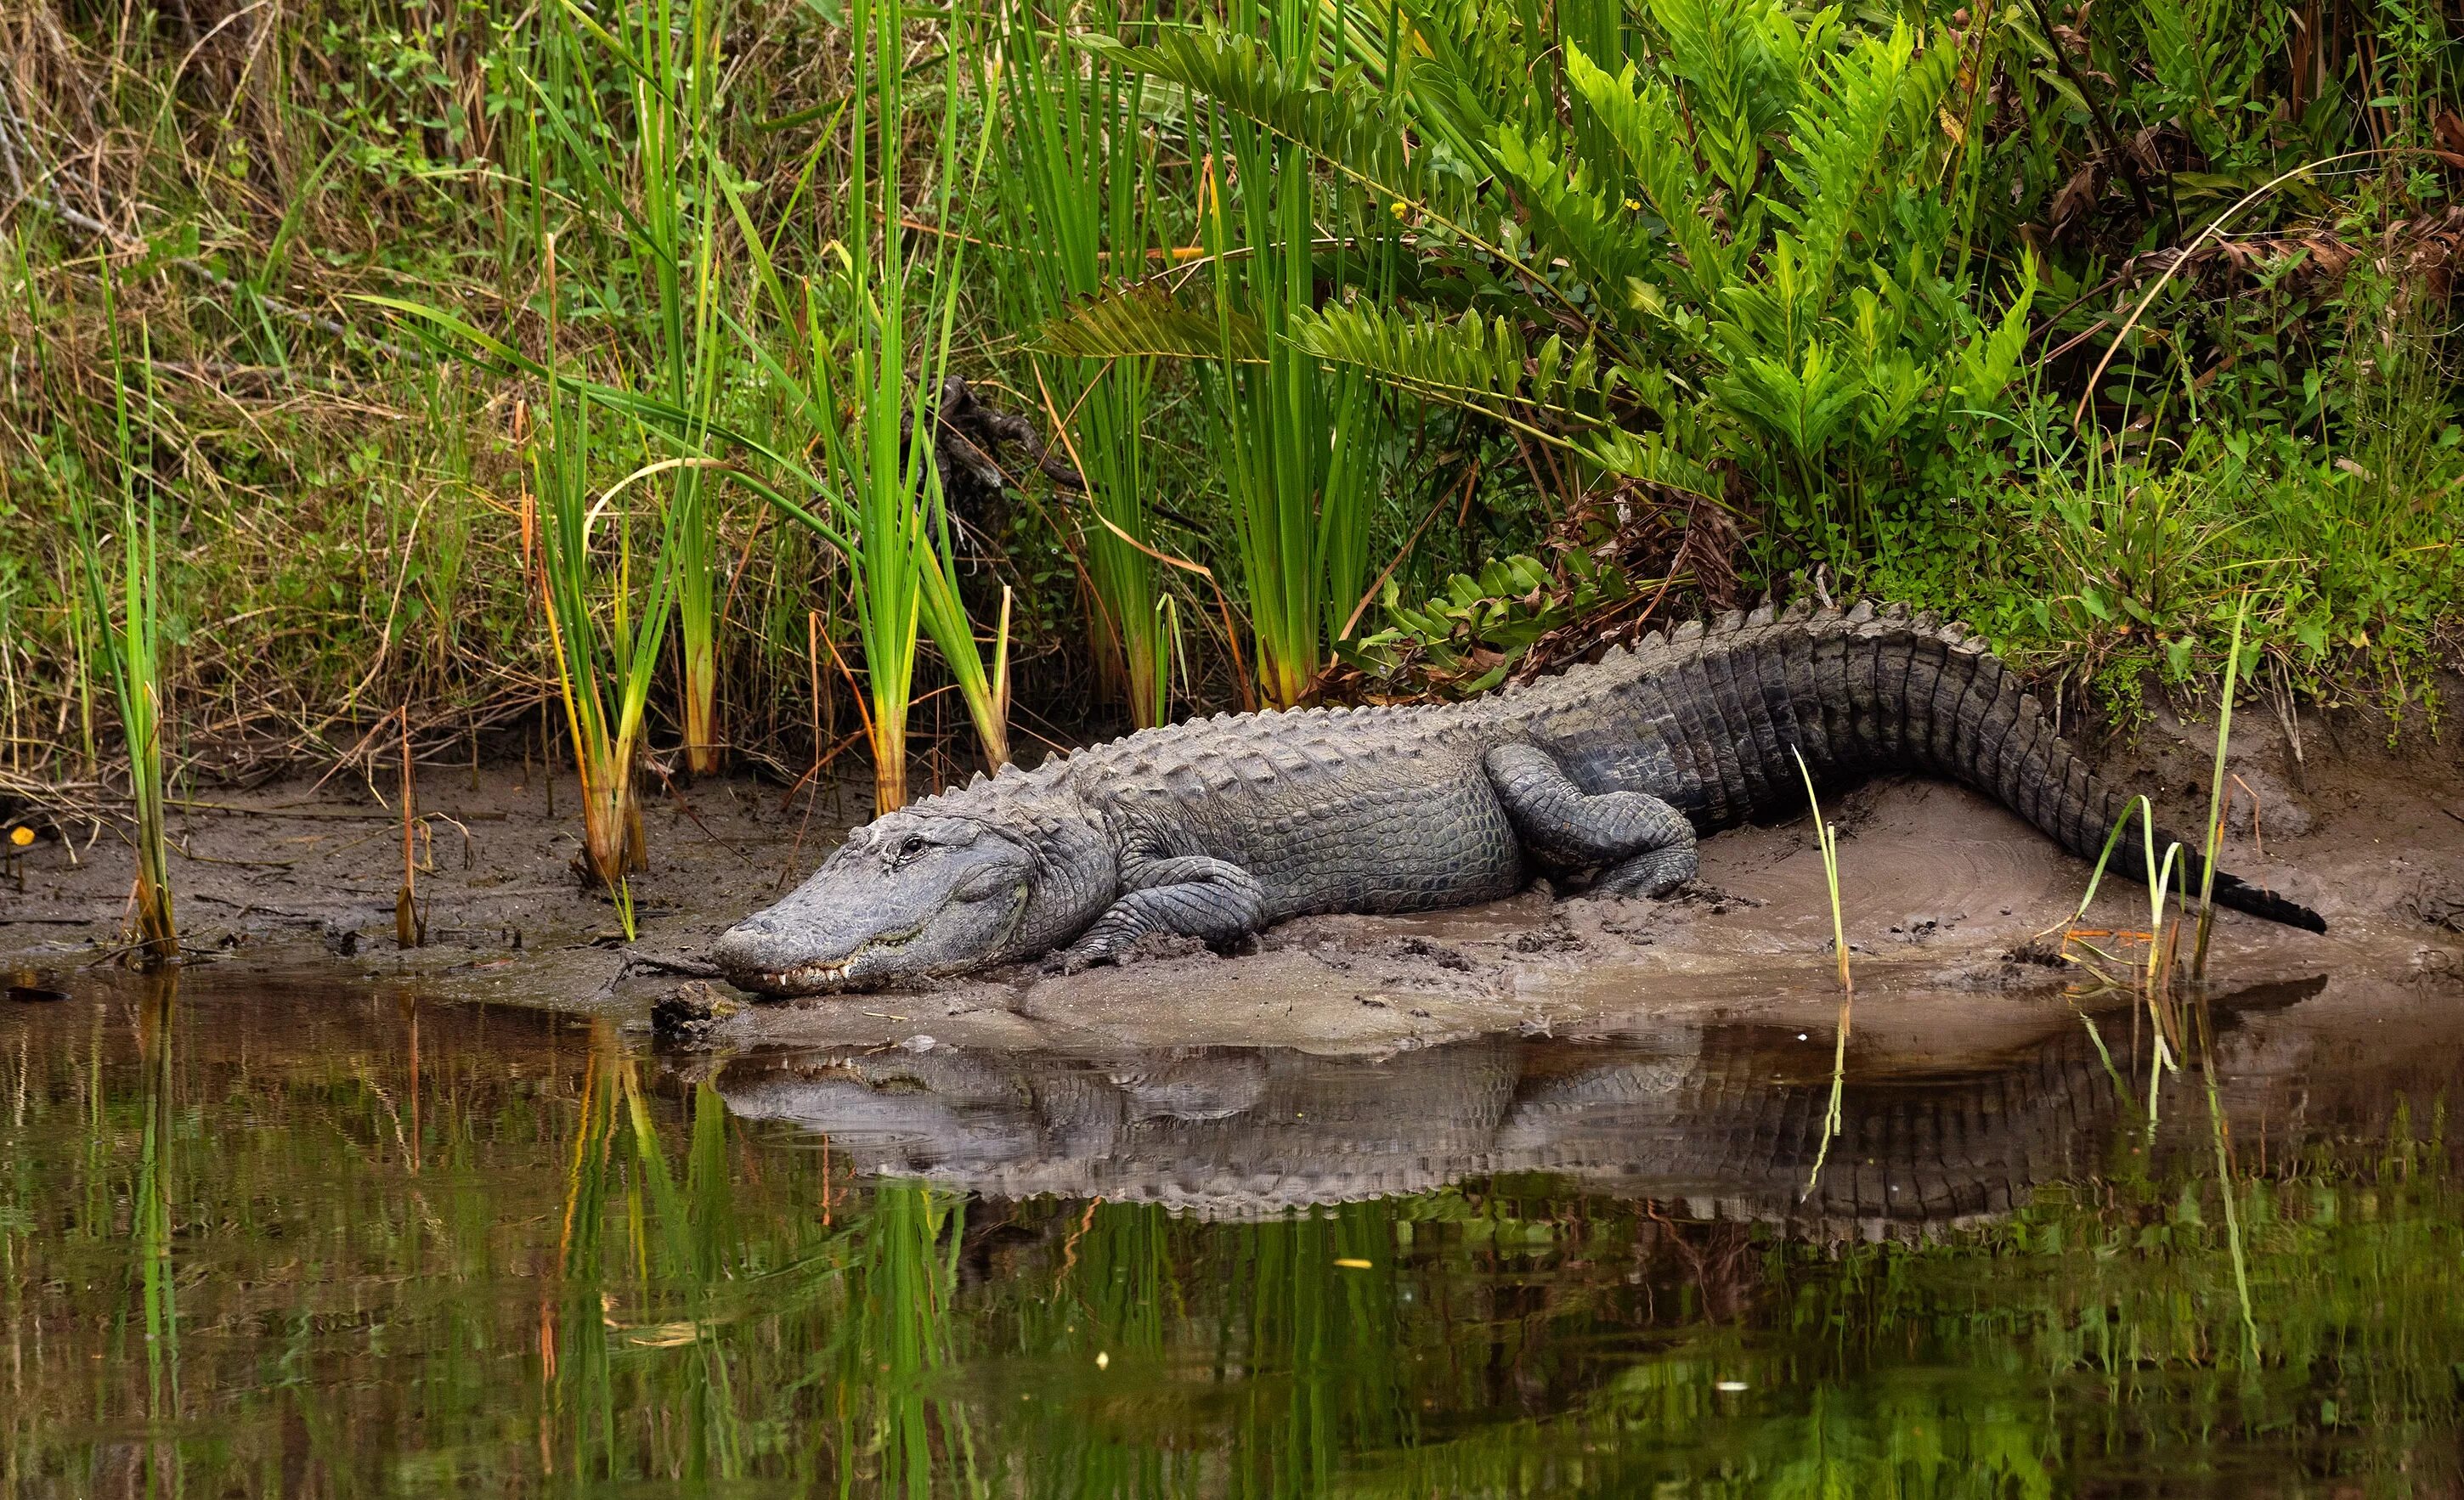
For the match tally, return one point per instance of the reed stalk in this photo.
(2153, 977)
(888, 514)
(131, 651)
(1827, 840)
(1295, 437)
(2216, 795)
(409, 925)
(605, 628)
(1079, 210)
(667, 214)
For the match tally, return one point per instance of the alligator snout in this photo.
(748, 949)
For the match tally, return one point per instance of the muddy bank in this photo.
(1942, 888)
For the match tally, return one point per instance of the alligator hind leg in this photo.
(1645, 846)
(1193, 896)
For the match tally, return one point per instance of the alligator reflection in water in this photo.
(1725, 1119)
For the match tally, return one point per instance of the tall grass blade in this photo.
(667, 215)
(1081, 209)
(887, 512)
(604, 628)
(1827, 838)
(132, 635)
(2216, 795)
(1295, 436)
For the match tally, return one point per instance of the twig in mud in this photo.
(409, 926)
(678, 797)
(186, 853)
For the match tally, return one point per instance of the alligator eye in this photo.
(914, 846)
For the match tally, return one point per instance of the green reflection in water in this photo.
(349, 1245)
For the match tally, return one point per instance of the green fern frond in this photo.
(1990, 359)
(1738, 62)
(1470, 362)
(1643, 118)
(1145, 322)
(1651, 457)
(1601, 239)
(1347, 126)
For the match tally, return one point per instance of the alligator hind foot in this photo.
(1654, 874)
(1645, 846)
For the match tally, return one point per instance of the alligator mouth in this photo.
(826, 974)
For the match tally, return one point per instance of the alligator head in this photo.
(931, 890)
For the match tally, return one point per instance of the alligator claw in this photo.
(1082, 958)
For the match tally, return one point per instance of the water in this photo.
(269, 1236)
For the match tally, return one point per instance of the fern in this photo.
(1644, 119)
(1471, 362)
(1728, 236)
(1138, 322)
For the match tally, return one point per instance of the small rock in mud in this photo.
(2038, 952)
(1423, 948)
(1548, 940)
(2436, 906)
(686, 1015)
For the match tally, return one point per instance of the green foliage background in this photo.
(2082, 324)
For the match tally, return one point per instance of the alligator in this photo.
(1217, 829)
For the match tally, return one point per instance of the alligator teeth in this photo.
(810, 974)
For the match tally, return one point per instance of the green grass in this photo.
(1298, 458)
(122, 609)
(1080, 213)
(606, 615)
(1417, 310)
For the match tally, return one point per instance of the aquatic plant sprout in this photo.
(667, 214)
(902, 562)
(1827, 840)
(2216, 792)
(132, 634)
(605, 625)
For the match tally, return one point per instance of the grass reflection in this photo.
(247, 1245)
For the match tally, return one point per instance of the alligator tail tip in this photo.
(2242, 896)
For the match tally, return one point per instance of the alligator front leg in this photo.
(1189, 895)
(1646, 847)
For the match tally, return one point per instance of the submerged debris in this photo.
(686, 1015)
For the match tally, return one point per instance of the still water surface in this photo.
(261, 1236)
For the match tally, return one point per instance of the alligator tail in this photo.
(1870, 690)
(1971, 717)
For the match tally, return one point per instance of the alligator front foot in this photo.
(1213, 901)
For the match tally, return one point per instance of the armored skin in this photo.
(1219, 828)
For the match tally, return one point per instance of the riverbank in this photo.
(1946, 898)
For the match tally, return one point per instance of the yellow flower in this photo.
(21, 837)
